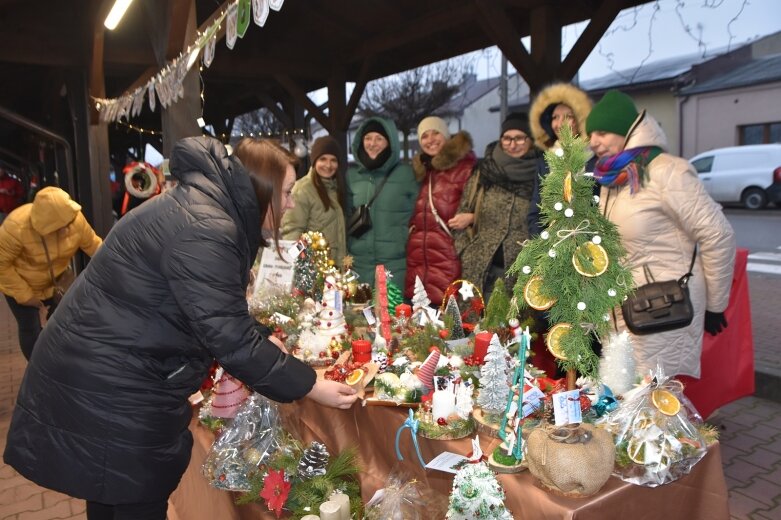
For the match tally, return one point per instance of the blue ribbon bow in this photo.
(412, 424)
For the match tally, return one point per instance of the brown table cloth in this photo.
(701, 494)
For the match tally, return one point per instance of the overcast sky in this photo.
(658, 30)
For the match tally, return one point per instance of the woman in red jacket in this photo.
(443, 165)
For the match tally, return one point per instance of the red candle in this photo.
(403, 309)
(482, 340)
(362, 350)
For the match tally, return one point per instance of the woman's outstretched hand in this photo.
(333, 394)
(461, 221)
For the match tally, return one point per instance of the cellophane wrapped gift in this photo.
(405, 498)
(244, 444)
(656, 433)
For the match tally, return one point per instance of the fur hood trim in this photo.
(455, 149)
(557, 93)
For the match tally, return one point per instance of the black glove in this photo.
(715, 322)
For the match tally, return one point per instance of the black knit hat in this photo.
(516, 121)
(325, 145)
(373, 125)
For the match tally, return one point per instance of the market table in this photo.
(701, 494)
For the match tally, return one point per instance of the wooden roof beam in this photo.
(300, 95)
(271, 104)
(151, 71)
(355, 97)
(496, 26)
(600, 21)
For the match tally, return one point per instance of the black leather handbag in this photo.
(361, 220)
(659, 306)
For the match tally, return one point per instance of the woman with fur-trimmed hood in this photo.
(554, 106)
(443, 167)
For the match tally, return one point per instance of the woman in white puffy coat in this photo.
(662, 212)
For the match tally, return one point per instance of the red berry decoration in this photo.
(442, 421)
(443, 334)
(585, 403)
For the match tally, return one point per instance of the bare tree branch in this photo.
(261, 121)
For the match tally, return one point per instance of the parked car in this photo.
(748, 174)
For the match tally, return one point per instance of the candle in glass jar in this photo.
(404, 310)
(482, 340)
(443, 404)
(362, 350)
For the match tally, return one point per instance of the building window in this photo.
(762, 133)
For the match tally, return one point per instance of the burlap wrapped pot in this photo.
(574, 469)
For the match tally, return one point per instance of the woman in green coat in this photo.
(319, 199)
(376, 151)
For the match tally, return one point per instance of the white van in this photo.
(748, 174)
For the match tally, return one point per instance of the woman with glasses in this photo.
(442, 167)
(556, 105)
(491, 221)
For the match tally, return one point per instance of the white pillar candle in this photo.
(344, 504)
(443, 404)
(330, 511)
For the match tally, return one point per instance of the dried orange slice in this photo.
(590, 259)
(665, 401)
(553, 340)
(531, 293)
(636, 451)
(568, 187)
(355, 377)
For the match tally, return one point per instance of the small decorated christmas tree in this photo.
(420, 299)
(381, 303)
(494, 381)
(498, 307)
(311, 265)
(573, 269)
(453, 319)
(476, 494)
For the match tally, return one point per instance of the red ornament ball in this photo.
(442, 421)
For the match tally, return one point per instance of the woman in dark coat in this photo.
(102, 413)
(442, 167)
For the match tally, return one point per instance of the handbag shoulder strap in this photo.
(435, 212)
(379, 189)
(684, 280)
(48, 260)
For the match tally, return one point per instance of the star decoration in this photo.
(467, 290)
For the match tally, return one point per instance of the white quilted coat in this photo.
(660, 225)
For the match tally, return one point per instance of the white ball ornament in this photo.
(597, 239)
(526, 269)
(552, 253)
(558, 206)
(545, 235)
(596, 199)
(611, 292)
(559, 152)
(581, 306)
(606, 317)
(568, 212)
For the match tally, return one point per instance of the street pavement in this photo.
(750, 428)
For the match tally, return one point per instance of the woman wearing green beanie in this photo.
(663, 212)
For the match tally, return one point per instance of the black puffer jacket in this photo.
(102, 412)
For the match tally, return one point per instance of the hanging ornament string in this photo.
(581, 229)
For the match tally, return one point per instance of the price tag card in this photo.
(369, 315)
(531, 400)
(566, 407)
(275, 272)
(447, 462)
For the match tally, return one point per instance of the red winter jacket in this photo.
(430, 250)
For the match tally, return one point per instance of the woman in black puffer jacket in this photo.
(102, 413)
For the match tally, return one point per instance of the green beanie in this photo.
(614, 113)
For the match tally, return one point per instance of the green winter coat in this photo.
(386, 242)
(309, 214)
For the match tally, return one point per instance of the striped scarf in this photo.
(627, 167)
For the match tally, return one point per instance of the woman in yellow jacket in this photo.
(55, 220)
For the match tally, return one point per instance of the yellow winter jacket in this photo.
(53, 216)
